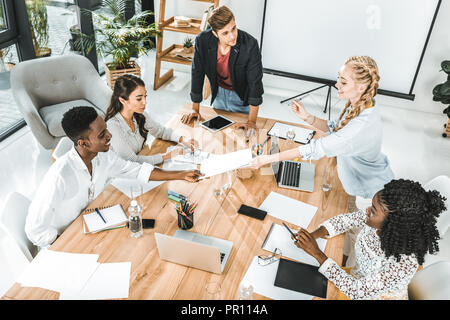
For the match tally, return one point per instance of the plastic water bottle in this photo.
(245, 291)
(135, 219)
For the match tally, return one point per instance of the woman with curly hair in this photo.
(397, 231)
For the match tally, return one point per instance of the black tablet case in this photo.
(301, 277)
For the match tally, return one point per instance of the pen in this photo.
(290, 231)
(98, 212)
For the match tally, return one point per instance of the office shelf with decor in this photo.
(173, 53)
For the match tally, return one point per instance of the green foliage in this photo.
(37, 16)
(188, 42)
(117, 37)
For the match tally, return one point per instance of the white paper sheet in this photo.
(281, 238)
(125, 185)
(173, 165)
(288, 209)
(59, 271)
(109, 281)
(262, 279)
(218, 164)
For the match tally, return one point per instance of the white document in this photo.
(194, 159)
(288, 209)
(113, 216)
(302, 135)
(125, 185)
(262, 279)
(279, 237)
(109, 281)
(221, 163)
(173, 165)
(59, 271)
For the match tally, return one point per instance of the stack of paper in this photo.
(77, 276)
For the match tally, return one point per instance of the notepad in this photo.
(279, 237)
(115, 216)
(302, 135)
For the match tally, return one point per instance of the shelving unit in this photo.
(169, 54)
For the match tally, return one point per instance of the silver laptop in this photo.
(293, 174)
(194, 250)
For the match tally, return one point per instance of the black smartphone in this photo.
(148, 223)
(252, 212)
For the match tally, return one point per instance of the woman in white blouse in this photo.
(130, 125)
(397, 231)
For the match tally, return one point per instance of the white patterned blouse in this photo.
(374, 276)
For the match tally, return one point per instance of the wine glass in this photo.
(228, 183)
(213, 291)
(290, 135)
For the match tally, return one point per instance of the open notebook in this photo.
(114, 216)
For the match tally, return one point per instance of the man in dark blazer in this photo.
(231, 60)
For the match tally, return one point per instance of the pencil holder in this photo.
(185, 220)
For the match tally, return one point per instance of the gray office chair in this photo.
(431, 283)
(45, 88)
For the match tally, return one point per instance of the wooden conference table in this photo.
(153, 278)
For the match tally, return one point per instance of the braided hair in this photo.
(123, 87)
(410, 225)
(365, 71)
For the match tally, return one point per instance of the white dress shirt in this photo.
(127, 144)
(68, 187)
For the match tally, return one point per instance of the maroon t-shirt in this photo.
(223, 72)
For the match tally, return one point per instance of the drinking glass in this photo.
(327, 179)
(290, 135)
(213, 291)
(228, 183)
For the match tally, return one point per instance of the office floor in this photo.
(412, 140)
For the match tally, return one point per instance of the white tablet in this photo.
(217, 123)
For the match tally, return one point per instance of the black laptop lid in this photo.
(301, 277)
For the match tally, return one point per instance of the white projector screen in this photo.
(311, 39)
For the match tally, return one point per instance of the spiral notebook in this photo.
(302, 135)
(114, 216)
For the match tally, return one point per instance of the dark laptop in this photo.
(292, 174)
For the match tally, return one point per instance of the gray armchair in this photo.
(45, 88)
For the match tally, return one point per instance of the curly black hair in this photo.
(77, 120)
(410, 226)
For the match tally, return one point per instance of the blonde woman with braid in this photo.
(353, 141)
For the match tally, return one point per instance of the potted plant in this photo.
(37, 16)
(119, 38)
(188, 45)
(441, 93)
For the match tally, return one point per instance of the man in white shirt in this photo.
(76, 178)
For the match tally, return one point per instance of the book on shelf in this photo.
(206, 14)
(114, 216)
